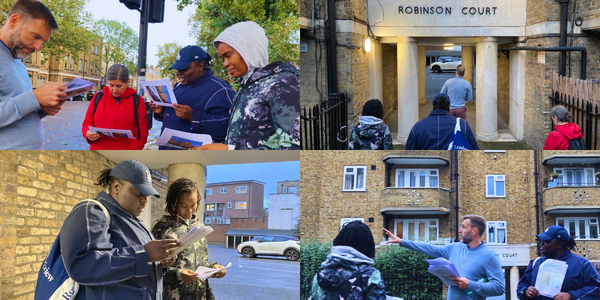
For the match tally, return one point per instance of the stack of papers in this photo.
(443, 269)
(112, 133)
(204, 272)
(550, 277)
(77, 86)
(159, 92)
(194, 235)
(182, 140)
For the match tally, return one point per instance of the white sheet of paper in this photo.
(182, 140)
(113, 133)
(159, 91)
(194, 235)
(550, 277)
(443, 269)
(204, 272)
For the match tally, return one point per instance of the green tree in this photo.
(279, 18)
(167, 54)
(120, 45)
(74, 24)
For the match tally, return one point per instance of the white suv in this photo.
(280, 245)
(445, 64)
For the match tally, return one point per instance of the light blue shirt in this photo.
(20, 118)
(473, 264)
(459, 91)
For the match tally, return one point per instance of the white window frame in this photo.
(223, 190)
(587, 176)
(208, 192)
(497, 178)
(293, 190)
(415, 235)
(219, 221)
(427, 176)
(343, 221)
(207, 221)
(285, 190)
(239, 204)
(492, 236)
(227, 221)
(228, 204)
(589, 222)
(242, 189)
(353, 171)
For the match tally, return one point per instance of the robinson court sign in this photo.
(445, 10)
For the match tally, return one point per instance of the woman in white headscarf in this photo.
(266, 110)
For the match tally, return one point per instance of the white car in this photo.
(445, 64)
(281, 245)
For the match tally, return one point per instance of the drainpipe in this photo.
(456, 207)
(564, 15)
(564, 50)
(332, 82)
(537, 198)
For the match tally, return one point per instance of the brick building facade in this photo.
(513, 86)
(421, 196)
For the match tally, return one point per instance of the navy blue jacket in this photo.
(434, 132)
(210, 98)
(581, 280)
(109, 260)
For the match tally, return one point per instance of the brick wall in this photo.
(37, 191)
(503, 85)
(288, 184)
(218, 235)
(389, 55)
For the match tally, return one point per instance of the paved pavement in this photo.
(263, 277)
(63, 131)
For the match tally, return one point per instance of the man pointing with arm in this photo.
(477, 264)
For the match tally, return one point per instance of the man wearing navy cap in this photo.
(203, 100)
(581, 280)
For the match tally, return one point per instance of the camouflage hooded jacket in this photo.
(370, 134)
(266, 110)
(190, 258)
(347, 275)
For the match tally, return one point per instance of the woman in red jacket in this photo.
(564, 129)
(116, 111)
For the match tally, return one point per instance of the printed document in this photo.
(204, 272)
(550, 277)
(194, 235)
(443, 269)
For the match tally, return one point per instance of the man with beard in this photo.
(203, 100)
(477, 264)
(29, 24)
(581, 280)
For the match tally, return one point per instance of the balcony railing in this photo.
(416, 197)
(568, 195)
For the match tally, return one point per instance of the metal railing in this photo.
(324, 126)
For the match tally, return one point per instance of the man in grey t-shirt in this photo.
(28, 25)
(459, 91)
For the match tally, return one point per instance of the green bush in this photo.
(404, 271)
(312, 255)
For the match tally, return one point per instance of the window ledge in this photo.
(365, 190)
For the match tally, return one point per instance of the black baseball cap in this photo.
(554, 232)
(137, 174)
(186, 56)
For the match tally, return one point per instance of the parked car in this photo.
(90, 95)
(280, 245)
(445, 63)
(80, 97)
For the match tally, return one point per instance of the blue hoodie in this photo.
(210, 98)
(581, 280)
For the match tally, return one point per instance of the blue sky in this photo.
(269, 173)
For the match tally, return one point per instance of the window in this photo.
(285, 190)
(219, 220)
(496, 232)
(66, 62)
(28, 58)
(418, 229)
(84, 66)
(96, 49)
(208, 192)
(92, 48)
(241, 189)
(210, 207)
(240, 205)
(223, 190)
(354, 178)
(207, 221)
(71, 63)
(293, 190)
(417, 178)
(92, 68)
(228, 221)
(575, 177)
(228, 204)
(343, 221)
(80, 65)
(580, 228)
(495, 186)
